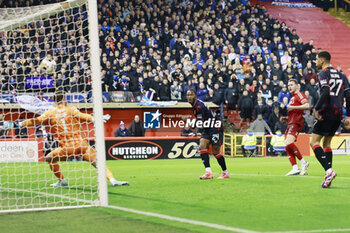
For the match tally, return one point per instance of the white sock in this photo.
(112, 180)
(295, 167)
(208, 169)
(328, 170)
(302, 161)
(225, 172)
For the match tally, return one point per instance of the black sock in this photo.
(221, 161)
(205, 159)
(329, 155)
(321, 157)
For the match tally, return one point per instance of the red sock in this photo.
(291, 154)
(56, 169)
(295, 151)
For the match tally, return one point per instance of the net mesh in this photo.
(43, 50)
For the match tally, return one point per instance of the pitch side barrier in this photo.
(149, 148)
(232, 145)
(167, 124)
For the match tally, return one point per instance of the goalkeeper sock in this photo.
(56, 169)
(109, 174)
(329, 155)
(321, 157)
(221, 161)
(205, 158)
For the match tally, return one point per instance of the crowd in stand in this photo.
(230, 52)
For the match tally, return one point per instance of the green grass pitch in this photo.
(257, 197)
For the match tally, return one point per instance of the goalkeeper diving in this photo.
(64, 122)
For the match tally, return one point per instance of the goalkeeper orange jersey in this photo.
(64, 122)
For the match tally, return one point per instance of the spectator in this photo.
(283, 93)
(281, 124)
(310, 75)
(309, 121)
(3, 132)
(245, 107)
(274, 118)
(259, 126)
(265, 93)
(164, 90)
(262, 109)
(313, 88)
(50, 144)
(202, 92)
(231, 97)
(21, 132)
(249, 143)
(122, 131)
(218, 98)
(136, 127)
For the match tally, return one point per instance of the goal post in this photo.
(45, 49)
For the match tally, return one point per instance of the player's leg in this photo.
(216, 142)
(328, 150)
(291, 148)
(291, 152)
(315, 143)
(221, 160)
(203, 150)
(90, 156)
(52, 158)
(321, 157)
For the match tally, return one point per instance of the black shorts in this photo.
(326, 127)
(215, 136)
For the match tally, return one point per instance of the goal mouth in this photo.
(50, 149)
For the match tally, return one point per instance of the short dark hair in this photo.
(294, 81)
(193, 91)
(325, 55)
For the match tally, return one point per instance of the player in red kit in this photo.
(297, 104)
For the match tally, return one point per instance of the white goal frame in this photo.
(92, 12)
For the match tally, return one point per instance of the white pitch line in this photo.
(193, 222)
(268, 175)
(313, 231)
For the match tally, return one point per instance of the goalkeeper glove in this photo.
(9, 125)
(106, 118)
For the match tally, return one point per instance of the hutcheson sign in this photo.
(167, 148)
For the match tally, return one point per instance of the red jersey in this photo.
(296, 116)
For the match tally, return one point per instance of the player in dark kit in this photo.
(211, 135)
(328, 113)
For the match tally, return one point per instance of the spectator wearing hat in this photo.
(283, 93)
(122, 131)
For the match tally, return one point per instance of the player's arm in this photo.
(31, 122)
(325, 91)
(347, 99)
(87, 117)
(26, 123)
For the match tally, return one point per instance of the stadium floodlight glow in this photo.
(56, 46)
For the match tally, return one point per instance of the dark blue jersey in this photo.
(332, 108)
(203, 113)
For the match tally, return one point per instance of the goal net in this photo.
(45, 50)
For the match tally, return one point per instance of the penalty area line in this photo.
(183, 220)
